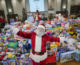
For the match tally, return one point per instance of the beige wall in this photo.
(75, 2)
(56, 4)
(69, 6)
(18, 5)
(3, 6)
(72, 2)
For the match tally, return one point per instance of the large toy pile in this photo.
(15, 49)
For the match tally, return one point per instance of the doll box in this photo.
(77, 57)
(67, 56)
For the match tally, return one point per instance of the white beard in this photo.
(39, 33)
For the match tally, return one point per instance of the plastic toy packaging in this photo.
(53, 47)
(77, 57)
(67, 56)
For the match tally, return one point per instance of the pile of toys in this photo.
(16, 50)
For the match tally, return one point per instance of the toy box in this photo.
(13, 45)
(53, 47)
(22, 61)
(77, 57)
(67, 56)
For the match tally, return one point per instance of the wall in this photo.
(56, 5)
(69, 6)
(3, 7)
(72, 2)
(18, 5)
(75, 2)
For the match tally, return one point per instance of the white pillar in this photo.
(69, 6)
(3, 6)
(58, 5)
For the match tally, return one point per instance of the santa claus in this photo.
(39, 39)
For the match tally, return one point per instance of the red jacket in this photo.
(44, 39)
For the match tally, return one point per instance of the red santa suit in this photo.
(38, 44)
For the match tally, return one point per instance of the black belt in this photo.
(38, 53)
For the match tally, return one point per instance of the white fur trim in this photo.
(15, 31)
(41, 26)
(38, 58)
(38, 43)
